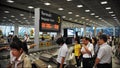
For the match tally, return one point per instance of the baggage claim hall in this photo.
(59, 33)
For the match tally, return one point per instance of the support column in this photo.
(16, 27)
(95, 31)
(84, 30)
(113, 31)
(36, 26)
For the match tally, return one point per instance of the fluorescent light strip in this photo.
(111, 12)
(10, 1)
(104, 2)
(60, 9)
(69, 12)
(87, 10)
(79, 6)
(63, 16)
(47, 3)
(77, 15)
(69, 0)
(6, 11)
(92, 14)
(30, 7)
(108, 8)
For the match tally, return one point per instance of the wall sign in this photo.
(49, 22)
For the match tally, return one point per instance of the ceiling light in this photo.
(108, 8)
(82, 17)
(99, 18)
(10, 1)
(104, 2)
(96, 16)
(16, 19)
(111, 12)
(30, 7)
(91, 21)
(12, 16)
(87, 10)
(60, 9)
(70, 18)
(86, 19)
(113, 15)
(47, 3)
(77, 15)
(9, 20)
(21, 14)
(92, 14)
(6, 11)
(69, 12)
(4, 17)
(79, 6)
(69, 0)
(24, 18)
(63, 16)
(76, 20)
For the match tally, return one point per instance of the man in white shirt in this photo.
(62, 53)
(87, 51)
(104, 56)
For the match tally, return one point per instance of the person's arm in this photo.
(3, 48)
(96, 62)
(87, 50)
(32, 45)
(62, 61)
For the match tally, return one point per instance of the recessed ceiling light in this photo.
(24, 18)
(30, 7)
(6, 11)
(108, 8)
(77, 15)
(111, 12)
(96, 16)
(12, 16)
(10, 1)
(87, 10)
(82, 17)
(9, 20)
(63, 16)
(47, 3)
(70, 18)
(104, 2)
(92, 14)
(60, 9)
(69, 12)
(86, 19)
(76, 20)
(113, 15)
(91, 21)
(21, 14)
(79, 6)
(99, 18)
(16, 19)
(4, 17)
(69, 0)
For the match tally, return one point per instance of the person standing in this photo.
(77, 52)
(104, 56)
(62, 53)
(87, 51)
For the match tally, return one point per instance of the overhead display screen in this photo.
(49, 22)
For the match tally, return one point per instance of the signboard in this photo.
(49, 22)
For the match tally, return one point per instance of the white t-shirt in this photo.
(62, 53)
(90, 48)
(105, 53)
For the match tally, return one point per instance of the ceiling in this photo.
(20, 13)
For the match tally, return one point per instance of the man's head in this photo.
(85, 40)
(102, 39)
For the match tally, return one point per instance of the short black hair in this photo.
(86, 38)
(104, 37)
(60, 41)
